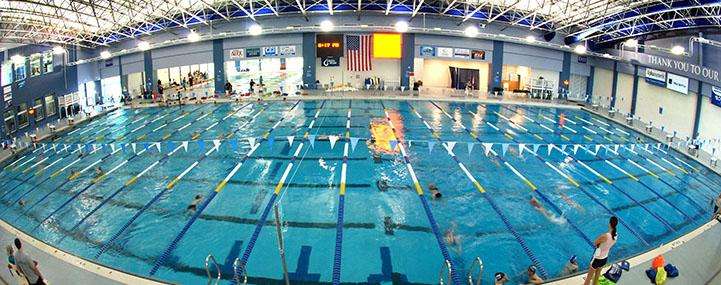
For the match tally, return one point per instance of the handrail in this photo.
(446, 266)
(480, 271)
(208, 259)
(237, 269)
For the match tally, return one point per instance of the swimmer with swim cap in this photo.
(388, 225)
(382, 185)
(435, 193)
(532, 276)
(500, 278)
(194, 204)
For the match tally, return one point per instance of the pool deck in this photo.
(697, 254)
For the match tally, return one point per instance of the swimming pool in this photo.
(488, 160)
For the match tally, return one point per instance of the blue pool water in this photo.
(135, 219)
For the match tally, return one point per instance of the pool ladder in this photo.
(239, 272)
(478, 262)
(208, 260)
(447, 272)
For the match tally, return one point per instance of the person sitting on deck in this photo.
(193, 206)
(717, 208)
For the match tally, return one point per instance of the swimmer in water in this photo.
(21, 203)
(99, 171)
(194, 204)
(434, 191)
(452, 239)
(382, 185)
(388, 225)
(536, 204)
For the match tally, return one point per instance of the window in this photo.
(23, 115)
(35, 65)
(50, 106)
(38, 108)
(47, 62)
(9, 121)
(7, 73)
(19, 71)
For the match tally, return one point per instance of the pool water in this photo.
(246, 158)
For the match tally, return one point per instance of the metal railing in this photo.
(209, 259)
(480, 271)
(445, 269)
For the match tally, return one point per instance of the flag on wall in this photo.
(358, 52)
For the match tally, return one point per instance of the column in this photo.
(149, 73)
(494, 79)
(589, 84)
(614, 84)
(407, 57)
(565, 77)
(634, 91)
(218, 66)
(309, 72)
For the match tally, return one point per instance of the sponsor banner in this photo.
(444, 52)
(237, 53)
(270, 51)
(108, 62)
(677, 83)
(330, 61)
(427, 51)
(252, 52)
(462, 53)
(287, 50)
(8, 94)
(702, 73)
(582, 59)
(478, 54)
(716, 96)
(656, 77)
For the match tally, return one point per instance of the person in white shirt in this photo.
(27, 265)
(603, 244)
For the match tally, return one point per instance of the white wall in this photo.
(678, 108)
(386, 69)
(602, 83)
(624, 93)
(435, 72)
(710, 125)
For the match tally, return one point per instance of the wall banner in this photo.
(716, 96)
(444, 52)
(270, 51)
(677, 83)
(330, 61)
(8, 94)
(656, 77)
(478, 54)
(428, 51)
(287, 50)
(252, 52)
(702, 73)
(462, 53)
(237, 53)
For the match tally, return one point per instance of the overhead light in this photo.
(632, 43)
(105, 54)
(580, 49)
(193, 37)
(401, 26)
(530, 39)
(18, 59)
(143, 45)
(326, 26)
(470, 31)
(607, 55)
(678, 50)
(58, 50)
(255, 30)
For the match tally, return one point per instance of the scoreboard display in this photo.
(329, 45)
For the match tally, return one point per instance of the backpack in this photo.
(613, 273)
(671, 270)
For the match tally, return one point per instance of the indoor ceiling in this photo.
(93, 23)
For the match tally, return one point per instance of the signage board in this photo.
(252, 52)
(237, 53)
(462, 53)
(478, 54)
(444, 52)
(329, 61)
(329, 45)
(270, 51)
(687, 69)
(428, 51)
(656, 77)
(716, 96)
(582, 59)
(8, 94)
(677, 83)
(287, 50)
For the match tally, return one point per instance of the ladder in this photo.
(239, 273)
(479, 264)
(445, 270)
(208, 260)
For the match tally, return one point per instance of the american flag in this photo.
(358, 51)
